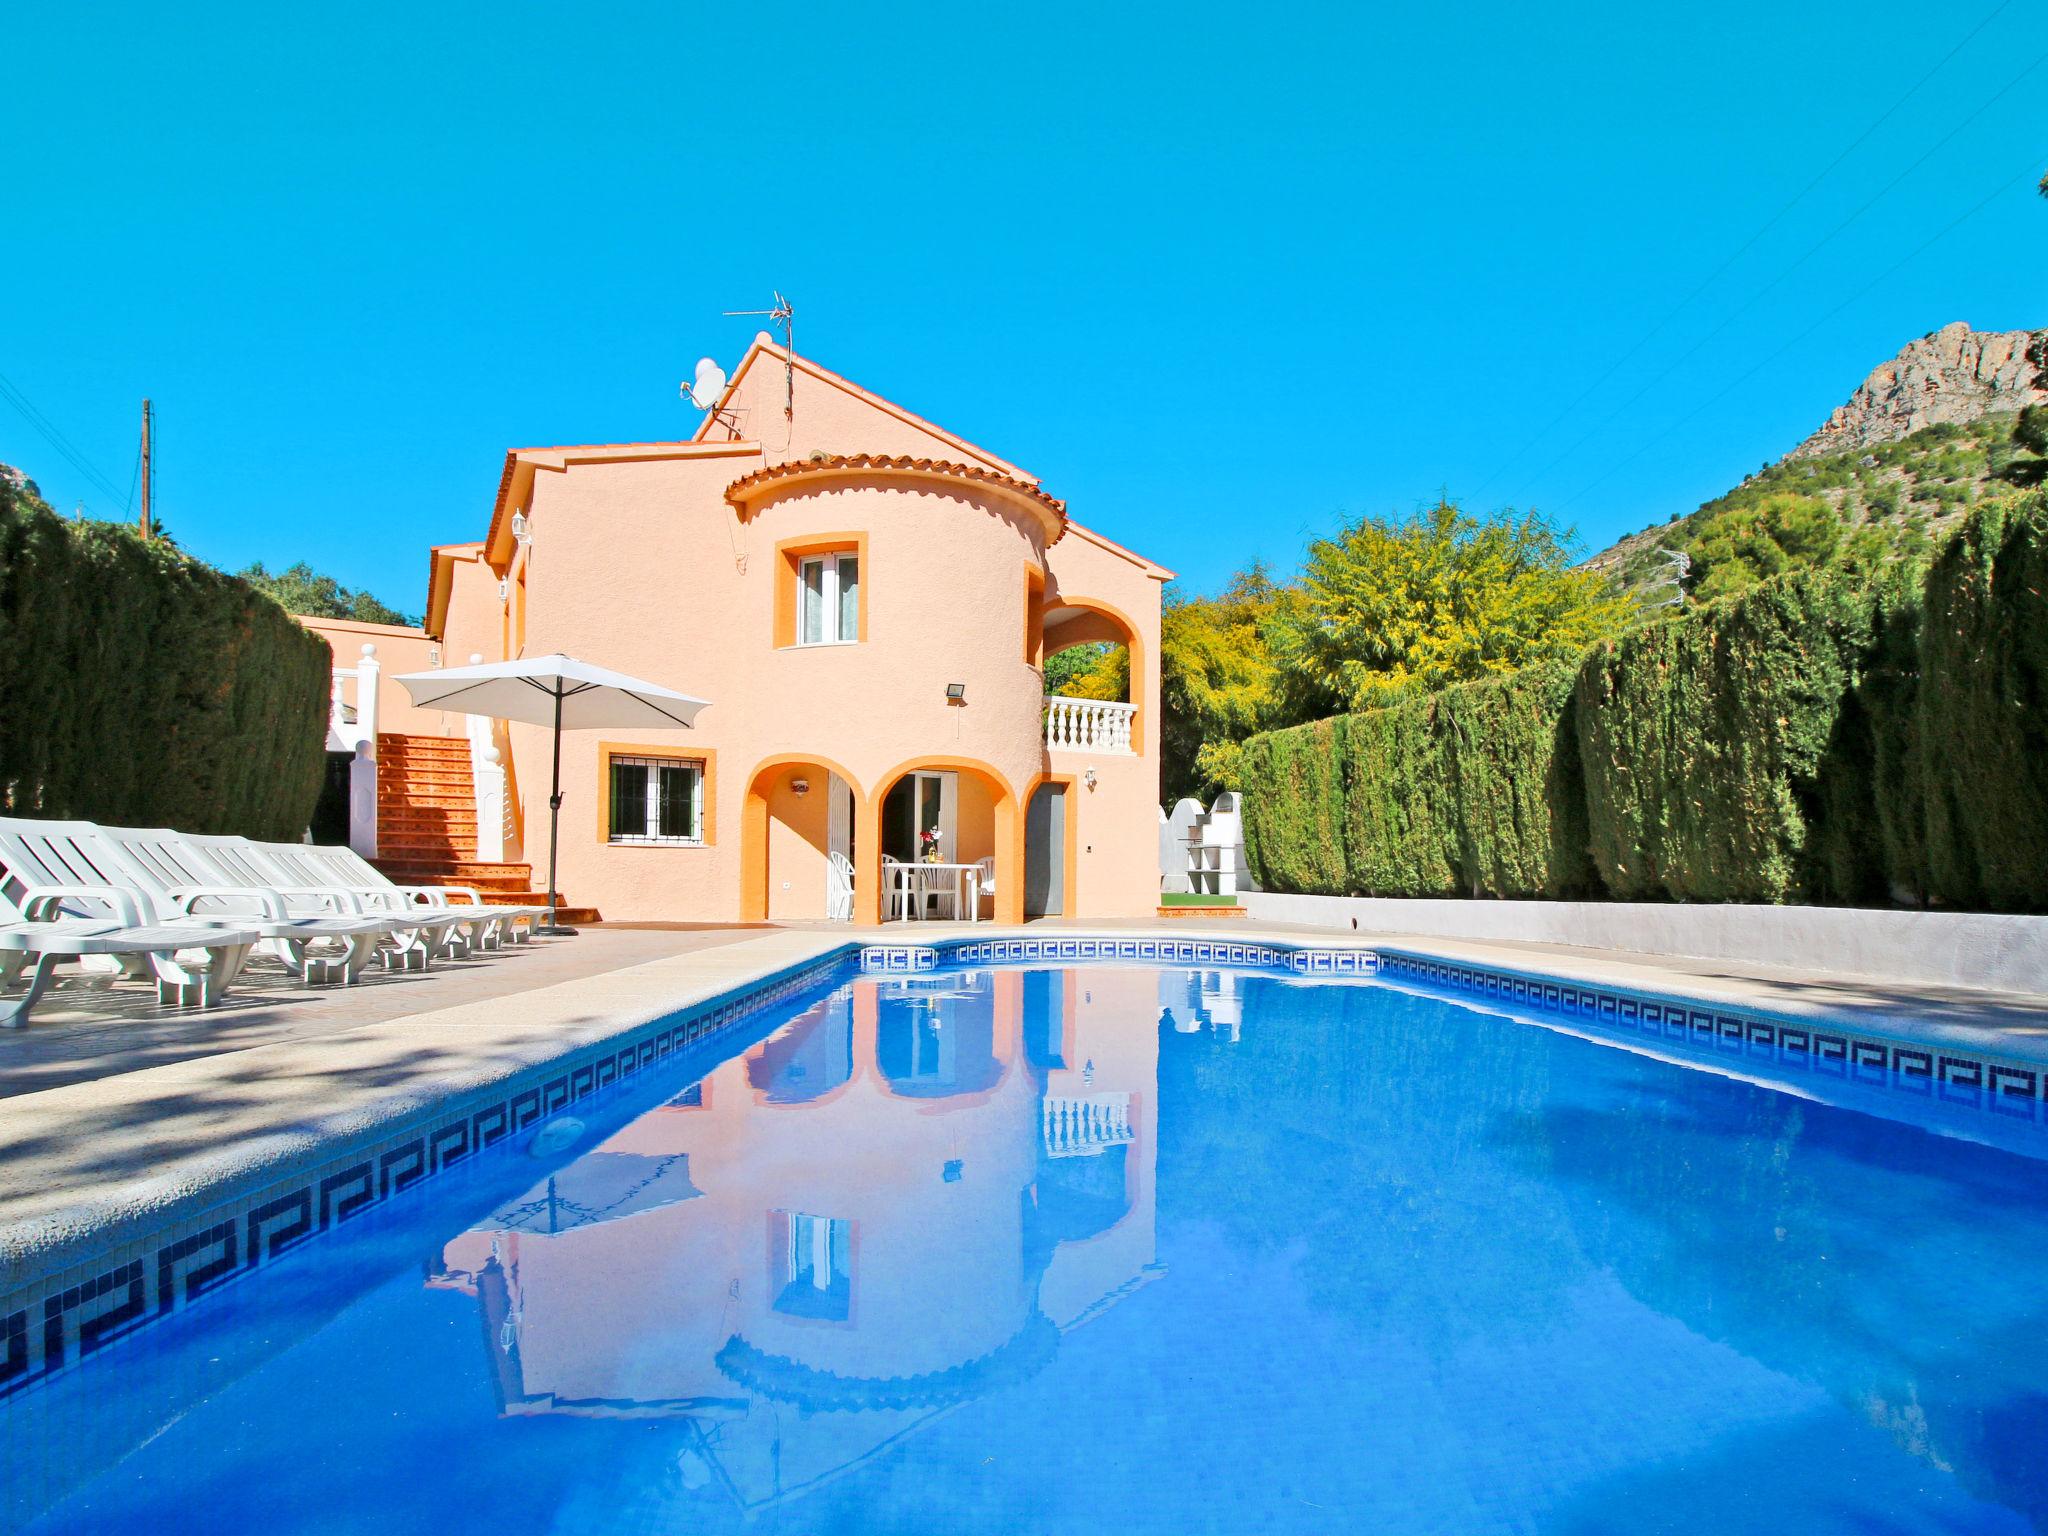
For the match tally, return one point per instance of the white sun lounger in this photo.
(343, 868)
(421, 934)
(171, 952)
(70, 910)
(185, 883)
(169, 888)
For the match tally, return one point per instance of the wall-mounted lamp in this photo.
(956, 693)
(522, 530)
(504, 588)
(799, 787)
(1088, 777)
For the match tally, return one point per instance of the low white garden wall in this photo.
(1957, 948)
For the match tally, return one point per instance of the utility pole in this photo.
(145, 469)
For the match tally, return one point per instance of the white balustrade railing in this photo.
(1082, 1127)
(1088, 725)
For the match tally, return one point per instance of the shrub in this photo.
(141, 687)
(1702, 738)
(1294, 816)
(1979, 725)
(1471, 791)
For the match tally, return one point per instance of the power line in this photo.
(1743, 249)
(12, 394)
(1751, 302)
(1772, 357)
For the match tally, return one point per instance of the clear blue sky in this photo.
(1221, 277)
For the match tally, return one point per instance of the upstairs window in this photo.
(828, 598)
(657, 800)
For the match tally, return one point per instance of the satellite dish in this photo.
(704, 390)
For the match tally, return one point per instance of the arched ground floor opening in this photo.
(948, 844)
(801, 831)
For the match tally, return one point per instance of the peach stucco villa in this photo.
(867, 601)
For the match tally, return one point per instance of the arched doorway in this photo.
(965, 813)
(801, 835)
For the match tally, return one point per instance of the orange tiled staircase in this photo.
(426, 824)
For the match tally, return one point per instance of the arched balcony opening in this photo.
(1093, 666)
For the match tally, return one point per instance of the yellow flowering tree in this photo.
(1442, 597)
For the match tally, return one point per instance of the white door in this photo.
(838, 816)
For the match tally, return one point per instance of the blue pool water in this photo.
(1120, 1250)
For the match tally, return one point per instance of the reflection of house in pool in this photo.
(894, 1207)
(1196, 1000)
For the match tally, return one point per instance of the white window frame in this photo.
(652, 838)
(832, 612)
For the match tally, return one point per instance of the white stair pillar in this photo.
(362, 771)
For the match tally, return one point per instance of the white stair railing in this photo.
(1088, 725)
(1082, 1127)
(487, 776)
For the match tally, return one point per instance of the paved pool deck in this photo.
(116, 1112)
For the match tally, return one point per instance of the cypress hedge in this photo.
(1806, 740)
(1701, 738)
(1459, 792)
(1975, 747)
(141, 687)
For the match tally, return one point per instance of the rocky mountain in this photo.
(1925, 437)
(1945, 378)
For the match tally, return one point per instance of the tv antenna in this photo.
(783, 314)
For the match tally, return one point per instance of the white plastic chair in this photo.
(899, 880)
(984, 885)
(839, 889)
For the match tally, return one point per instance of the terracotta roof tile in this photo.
(738, 492)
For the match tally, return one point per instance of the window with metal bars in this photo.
(657, 800)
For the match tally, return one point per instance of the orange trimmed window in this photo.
(655, 800)
(821, 596)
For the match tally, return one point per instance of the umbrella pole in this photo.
(554, 822)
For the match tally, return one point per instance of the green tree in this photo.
(1082, 671)
(1219, 681)
(2031, 430)
(1442, 597)
(1743, 545)
(301, 589)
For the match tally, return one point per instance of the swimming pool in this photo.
(1121, 1248)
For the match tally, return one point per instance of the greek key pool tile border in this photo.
(1306, 960)
(64, 1319)
(2010, 1089)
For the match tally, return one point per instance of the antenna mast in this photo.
(146, 416)
(783, 314)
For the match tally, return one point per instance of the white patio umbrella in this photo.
(553, 690)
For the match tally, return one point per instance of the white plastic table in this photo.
(957, 883)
